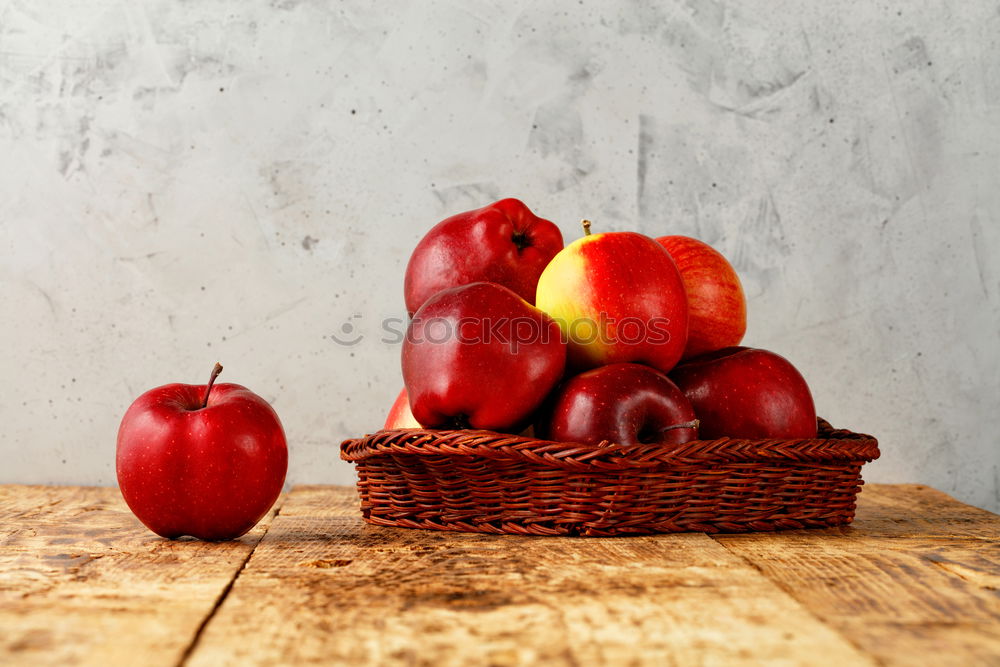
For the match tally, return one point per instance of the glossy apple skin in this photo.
(628, 404)
(211, 472)
(616, 277)
(742, 392)
(717, 307)
(400, 415)
(503, 243)
(465, 380)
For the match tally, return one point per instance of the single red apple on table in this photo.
(480, 356)
(743, 392)
(503, 243)
(201, 460)
(400, 415)
(628, 404)
(619, 298)
(717, 309)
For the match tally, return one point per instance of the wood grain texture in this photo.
(917, 575)
(918, 511)
(83, 582)
(324, 587)
(915, 580)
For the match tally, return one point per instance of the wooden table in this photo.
(914, 581)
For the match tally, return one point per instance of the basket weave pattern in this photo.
(482, 481)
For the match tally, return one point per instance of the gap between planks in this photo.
(193, 644)
(84, 582)
(916, 574)
(858, 646)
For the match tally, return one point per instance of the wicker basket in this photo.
(487, 482)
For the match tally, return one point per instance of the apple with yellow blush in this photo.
(619, 298)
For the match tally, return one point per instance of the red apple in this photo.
(618, 298)
(624, 403)
(201, 460)
(717, 309)
(400, 415)
(503, 243)
(742, 392)
(480, 356)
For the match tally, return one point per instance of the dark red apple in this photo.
(628, 404)
(717, 309)
(480, 356)
(201, 460)
(742, 392)
(503, 243)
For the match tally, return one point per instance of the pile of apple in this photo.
(617, 337)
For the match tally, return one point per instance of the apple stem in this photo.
(694, 423)
(586, 227)
(211, 381)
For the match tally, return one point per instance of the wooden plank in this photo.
(83, 582)
(917, 575)
(324, 587)
(915, 510)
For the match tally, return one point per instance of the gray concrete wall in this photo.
(187, 182)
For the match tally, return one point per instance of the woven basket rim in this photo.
(831, 446)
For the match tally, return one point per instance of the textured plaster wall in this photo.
(186, 182)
